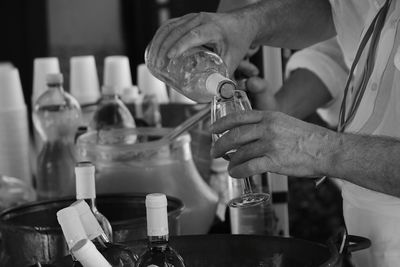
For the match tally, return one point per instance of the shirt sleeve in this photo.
(326, 61)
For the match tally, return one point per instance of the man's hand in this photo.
(229, 34)
(272, 142)
(257, 88)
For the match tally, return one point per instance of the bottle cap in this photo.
(108, 90)
(218, 84)
(54, 78)
(71, 226)
(131, 94)
(85, 180)
(89, 222)
(227, 89)
(41, 67)
(88, 255)
(156, 214)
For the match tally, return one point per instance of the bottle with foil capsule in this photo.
(86, 190)
(73, 231)
(198, 73)
(116, 254)
(159, 252)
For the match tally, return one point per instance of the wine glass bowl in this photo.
(221, 107)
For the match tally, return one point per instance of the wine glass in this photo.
(221, 107)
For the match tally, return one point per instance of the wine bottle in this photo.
(198, 73)
(88, 255)
(73, 231)
(159, 252)
(116, 254)
(86, 190)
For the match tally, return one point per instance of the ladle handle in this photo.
(187, 124)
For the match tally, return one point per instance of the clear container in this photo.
(198, 74)
(14, 192)
(150, 165)
(56, 117)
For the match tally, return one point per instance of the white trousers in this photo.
(381, 228)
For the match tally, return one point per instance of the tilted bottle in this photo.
(116, 255)
(86, 190)
(158, 252)
(73, 231)
(56, 117)
(88, 255)
(198, 73)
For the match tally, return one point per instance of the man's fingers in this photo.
(236, 119)
(248, 152)
(247, 69)
(257, 85)
(200, 35)
(185, 25)
(163, 33)
(248, 168)
(235, 138)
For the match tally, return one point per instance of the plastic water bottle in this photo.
(111, 113)
(56, 116)
(198, 73)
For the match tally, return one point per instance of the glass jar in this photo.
(138, 160)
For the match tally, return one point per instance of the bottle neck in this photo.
(101, 241)
(56, 86)
(92, 203)
(158, 242)
(218, 84)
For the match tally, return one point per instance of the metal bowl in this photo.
(30, 233)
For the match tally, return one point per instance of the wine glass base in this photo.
(249, 200)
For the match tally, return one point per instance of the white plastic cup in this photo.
(12, 96)
(6, 65)
(14, 129)
(116, 75)
(150, 85)
(84, 82)
(42, 67)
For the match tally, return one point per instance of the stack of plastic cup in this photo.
(42, 67)
(84, 82)
(14, 131)
(150, 85)
(6, 65)
(116, 75)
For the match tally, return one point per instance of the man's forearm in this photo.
(301, 94)
(368, 161)
(291, 23)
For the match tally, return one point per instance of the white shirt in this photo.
(369, 213)
(326, 61)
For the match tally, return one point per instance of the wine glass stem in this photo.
(247, 186)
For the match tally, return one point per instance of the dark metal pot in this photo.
(30, 233)
(253, 250)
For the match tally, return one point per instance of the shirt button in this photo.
(374, 86)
